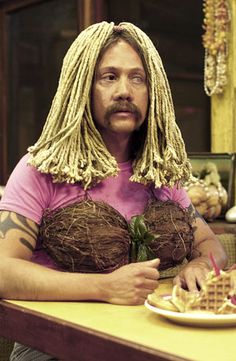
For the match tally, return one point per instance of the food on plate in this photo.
(216, 291)
(161, 302)
(217, 296)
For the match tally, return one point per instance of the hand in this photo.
(193, 275)
(130, 284)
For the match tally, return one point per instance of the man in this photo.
(110, 133)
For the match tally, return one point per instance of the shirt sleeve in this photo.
(27, 191)
(177, 194)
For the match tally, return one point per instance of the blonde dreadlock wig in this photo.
(71, 148)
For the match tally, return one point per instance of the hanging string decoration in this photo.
(216, 24)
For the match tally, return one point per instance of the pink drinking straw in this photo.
(216, 268)
(233, 300)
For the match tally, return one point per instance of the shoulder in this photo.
(25, 176)
(27, 191)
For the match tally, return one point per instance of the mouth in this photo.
(123, 113)
(123, 110)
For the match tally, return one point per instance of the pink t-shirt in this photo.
(29, 192)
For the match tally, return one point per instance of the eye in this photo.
(138, 79)
(109, 77)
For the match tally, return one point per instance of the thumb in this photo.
(152, 263)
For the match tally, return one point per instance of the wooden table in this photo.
(89, 331)
(221, 226)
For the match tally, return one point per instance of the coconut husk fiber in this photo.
(87, 236)
(173, 225)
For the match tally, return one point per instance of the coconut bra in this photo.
(93, 237)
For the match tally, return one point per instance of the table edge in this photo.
(92, 344)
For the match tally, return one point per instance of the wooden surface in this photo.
(221, 226)
(90, 331)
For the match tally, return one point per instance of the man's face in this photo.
(119, 91)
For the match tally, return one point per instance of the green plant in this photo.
(141, 239)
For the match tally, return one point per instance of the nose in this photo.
(123, 90)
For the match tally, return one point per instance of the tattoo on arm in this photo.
(12, 221)
(27, 244)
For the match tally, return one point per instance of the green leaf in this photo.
(142, 253)
(142, 226)
(141, 238)
(150, 253)
(148, 238)
(133, 252)
(131, 225)
(136, 226)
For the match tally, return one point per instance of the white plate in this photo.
(195, 318)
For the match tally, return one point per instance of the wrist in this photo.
(102, 287)
(84, 286)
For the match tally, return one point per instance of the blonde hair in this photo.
(71, 148)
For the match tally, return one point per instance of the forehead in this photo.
(120, 54)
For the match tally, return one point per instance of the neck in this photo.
(119, 146)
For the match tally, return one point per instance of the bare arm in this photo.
(22, 279)
(205, 242)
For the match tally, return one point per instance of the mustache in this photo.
(123, 107)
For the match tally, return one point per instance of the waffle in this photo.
(161, 302)
(213, 294)
(227, 308)
(181, 298)
(214, 297)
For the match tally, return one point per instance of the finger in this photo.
(151, 273)
(201, 277)
(151, 284)
(179, 281)
(191, 283)
(141, 300)
(154, 263)
(140, 296)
